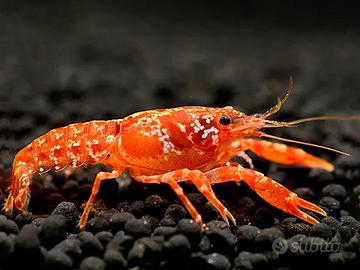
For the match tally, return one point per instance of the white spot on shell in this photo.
(41, 141)
(235, 144)
(179, 191)
(208, 131)
(215, 139)
(280, 147)
(181, 127)
(197, 126)
(58, 135)
(202, 188)
(110, 138)
(263, 180)
(77, 143)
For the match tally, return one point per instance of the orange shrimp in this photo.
(192, 144)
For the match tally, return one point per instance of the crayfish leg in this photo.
(95, 189)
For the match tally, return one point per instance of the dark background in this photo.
(69, 62)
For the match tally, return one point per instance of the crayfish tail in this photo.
(19, 195)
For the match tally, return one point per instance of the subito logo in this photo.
(280, 246)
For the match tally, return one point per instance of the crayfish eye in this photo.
(225, 120)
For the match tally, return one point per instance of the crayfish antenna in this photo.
(304, 143)
(294, 123)
(280, 102)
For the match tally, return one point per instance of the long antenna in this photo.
(305, 143)
(309, 119)
(280, 102)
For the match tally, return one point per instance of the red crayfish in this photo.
(193, 144)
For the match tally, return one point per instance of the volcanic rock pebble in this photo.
(176, 212)
(321, 230)
(342, 259)
(56, 259)
(97, 224)
(220, 236)
(305, 193)
(292, 227)
(345, 233)
(332, 222)
(123, 206)
(218, 261)
(104, 237)
(335, 190)
(248, 260)
(155, 205)
(137, 208)
(118, 221)
(197, 199)
(164, 231)
(138, 227)
(38, 221)
(8, 225)
(114, 260)
(52, 230)
(168, 221)
(356, 190)
(178, 245)
(351, 222)
(205, 245)
(22, 219)
(92, 263)
(246, 235)
(331, 206)
(70, 247)
(263, 218)
(121, 242)
(69, 211)
(265, 238)
(146, 251)
(189, 228)
(27, 246)
(211, 261)
(90, 245)
(321, 176)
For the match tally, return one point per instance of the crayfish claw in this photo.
(310, 206)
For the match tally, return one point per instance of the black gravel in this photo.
(62, 64)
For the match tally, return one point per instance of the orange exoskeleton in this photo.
(192, 144)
